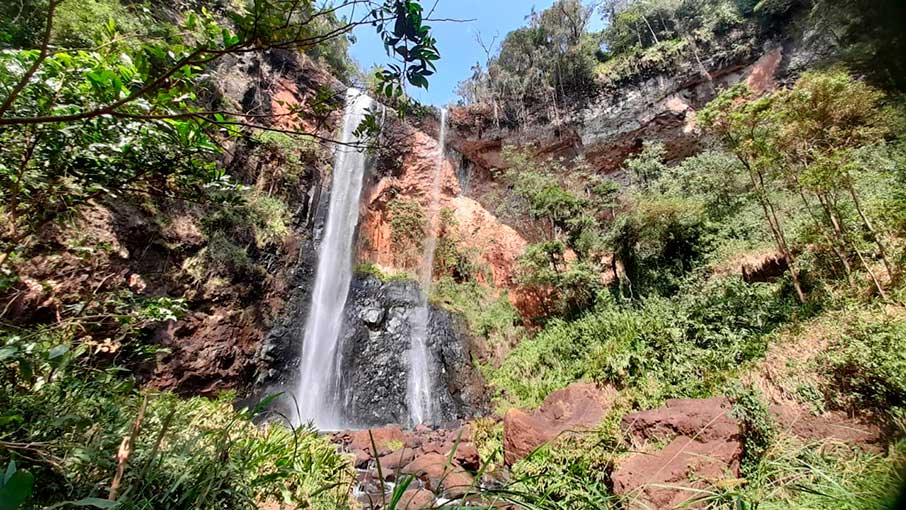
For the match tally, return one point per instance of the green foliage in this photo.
(408, 224)
(867, 35)
(648, 165)
(69, 409)
(410, 41)
(131, 115)
(549, 62)
(868, 365)
(793, 476)
(490, 316)
(689, 344)
(757, 426)
(450, 258)
(236, 233)
(88, 23)
(16, 487)
(658, 242)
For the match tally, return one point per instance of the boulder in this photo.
(579, 406)
(466, 455)
(703, 447)
(386, 439)
(457, 483)
(701, 419)
(416, 499)
(439, 476)
(670, 478)
(394, 461)
(833, 425)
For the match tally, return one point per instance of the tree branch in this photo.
(45, 44)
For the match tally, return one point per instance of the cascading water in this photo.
(419, 384)
(319, 390)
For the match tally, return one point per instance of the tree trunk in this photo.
(882, 250)
(776, 228)
(831, 240)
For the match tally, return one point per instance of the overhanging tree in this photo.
(126, 116)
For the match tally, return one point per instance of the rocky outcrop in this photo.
(495, 245)
(657, 101)
(374, 363)
(704, 447)
(577, 407)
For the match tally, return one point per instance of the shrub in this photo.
(868, 365)
(658, 242)
(408, 224)
(756, 423)
(690, 344)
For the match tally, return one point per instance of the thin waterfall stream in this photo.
(419, 383)
(319, 390)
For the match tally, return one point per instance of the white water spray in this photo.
(319, 390)
(419, 384)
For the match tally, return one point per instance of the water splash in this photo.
(419, 384)
(319, 389)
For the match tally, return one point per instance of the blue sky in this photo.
(456, 41)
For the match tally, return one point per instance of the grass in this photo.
(822, 475)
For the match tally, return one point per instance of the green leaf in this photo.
(16, 489)
(8, 352)
(10, 471)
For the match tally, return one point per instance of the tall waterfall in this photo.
(319, 388)
(419, 384)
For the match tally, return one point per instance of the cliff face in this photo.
(495, 245)
(651, 104)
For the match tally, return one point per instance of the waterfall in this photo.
(319, 389)
(419, 384)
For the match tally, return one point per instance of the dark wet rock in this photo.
(376, 340)
(374, 359)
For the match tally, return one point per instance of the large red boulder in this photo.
(440, 475)
(702, 419)
(703, 447)
(674, 476)
(416, 499)
(579, 406)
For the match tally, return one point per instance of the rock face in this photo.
(374, 362)
(496, 245)
(579, 406)
(656, 103)
(377, 338)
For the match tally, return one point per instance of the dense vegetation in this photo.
(639, 277)
(638, 281)
(108, 104)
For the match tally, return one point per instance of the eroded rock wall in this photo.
(653, 104)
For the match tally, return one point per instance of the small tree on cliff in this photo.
(824, 119)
